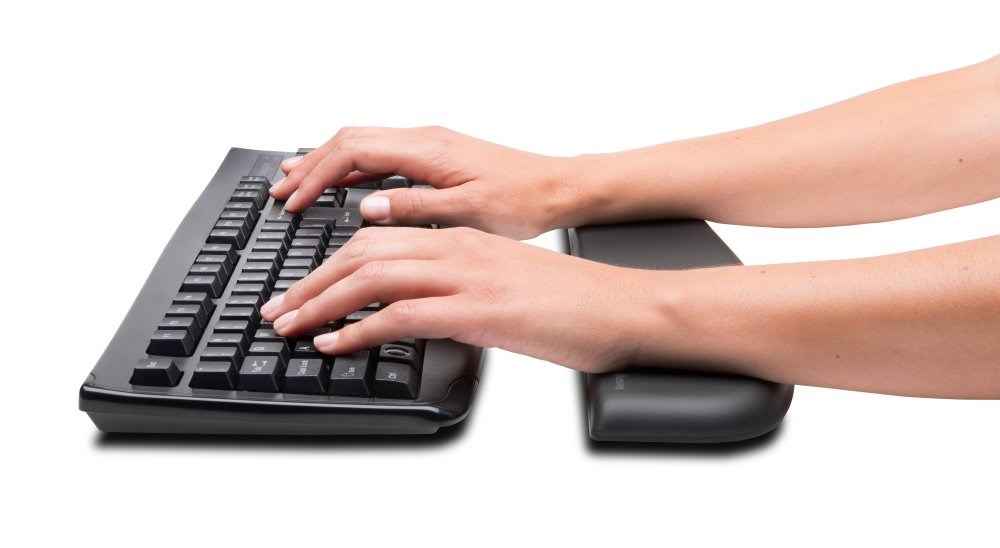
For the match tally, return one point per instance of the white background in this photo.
(114, 116)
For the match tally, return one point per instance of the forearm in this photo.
(911, 148)
(924, 323)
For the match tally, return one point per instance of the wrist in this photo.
(581, 190)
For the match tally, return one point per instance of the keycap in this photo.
(231, 354)
(305, 349)
(231, 236)
(251, 196)
(204, 284)
(307, 264)
(261, 277)
(243, 206)
(242, 225)
(393, 182)
(277, 246)
(269, 267)
(251, 289)
(351, 374)
(156, 372)
(276, 226)
(192, 310)
(305, 242)
(171, 342)
(261, 374)
(307, 376)
(273, 348)
(358, 315)
(274, 237)
(395, 380)
(227, 339)
(209, 270)
(292, 273)
(247, 313)
(233, 326)
(221, 260)
(258, 179)
(221, 249)
(220, 375)
(187, 323)
(303, 253)
(246, 300)
(318, 233)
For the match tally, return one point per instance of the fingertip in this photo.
(276, 187)
(375, 207)
(288, 163)
(282, 324)
(327, 342)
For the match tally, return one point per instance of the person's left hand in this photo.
(476, 288)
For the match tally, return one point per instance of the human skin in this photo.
(923, 323)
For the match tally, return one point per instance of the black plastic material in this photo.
(446, 389)
(672, 405)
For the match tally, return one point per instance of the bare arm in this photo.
(923, 323)
(919, 146)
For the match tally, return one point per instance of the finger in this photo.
(409, 152)
(288, 163)
(377, 281)
(298, 166)
(427, 318)
(460, 205)
(379, 244)
(359, 177)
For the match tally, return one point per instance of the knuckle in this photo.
(371, 271)
(413, 202)
(401, 313)
(357, 246)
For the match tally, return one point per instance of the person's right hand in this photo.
(479, 184)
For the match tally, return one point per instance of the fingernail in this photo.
(375, 208)
(289, 163)
(326, 341)
(281, 323)
(272, 305)
(278, 184)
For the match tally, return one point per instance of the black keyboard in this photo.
(194, 356)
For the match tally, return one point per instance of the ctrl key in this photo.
(156, 372)
(220, 375)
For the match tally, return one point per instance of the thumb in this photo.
(413, 206)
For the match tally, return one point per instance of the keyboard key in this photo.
(220, 375)
(205, 284)
(307, 264)
(251, 289)
(358, 315)
(243, 206)
(304, 349)
(260, 277)
(251, 196)
(171, 342)
(231, 354)
(242, 225)
(270, 268)
(247, 313)
(277, 246)
(278, 349)
(233, 326)
(307, 376)
(274, 237)
(231, 236)
(209, 270)
(261, 374)
(221, 249)
(246, 300)
(395, 380)
(303, 253)
(221, 260)
(227, 339)
(195, 311)
(306, 242)
(257, 179)
(292, 273)
(351, 374)
(156, 372)
(394, 182)
(187, 323)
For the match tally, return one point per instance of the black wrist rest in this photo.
(672, 405)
